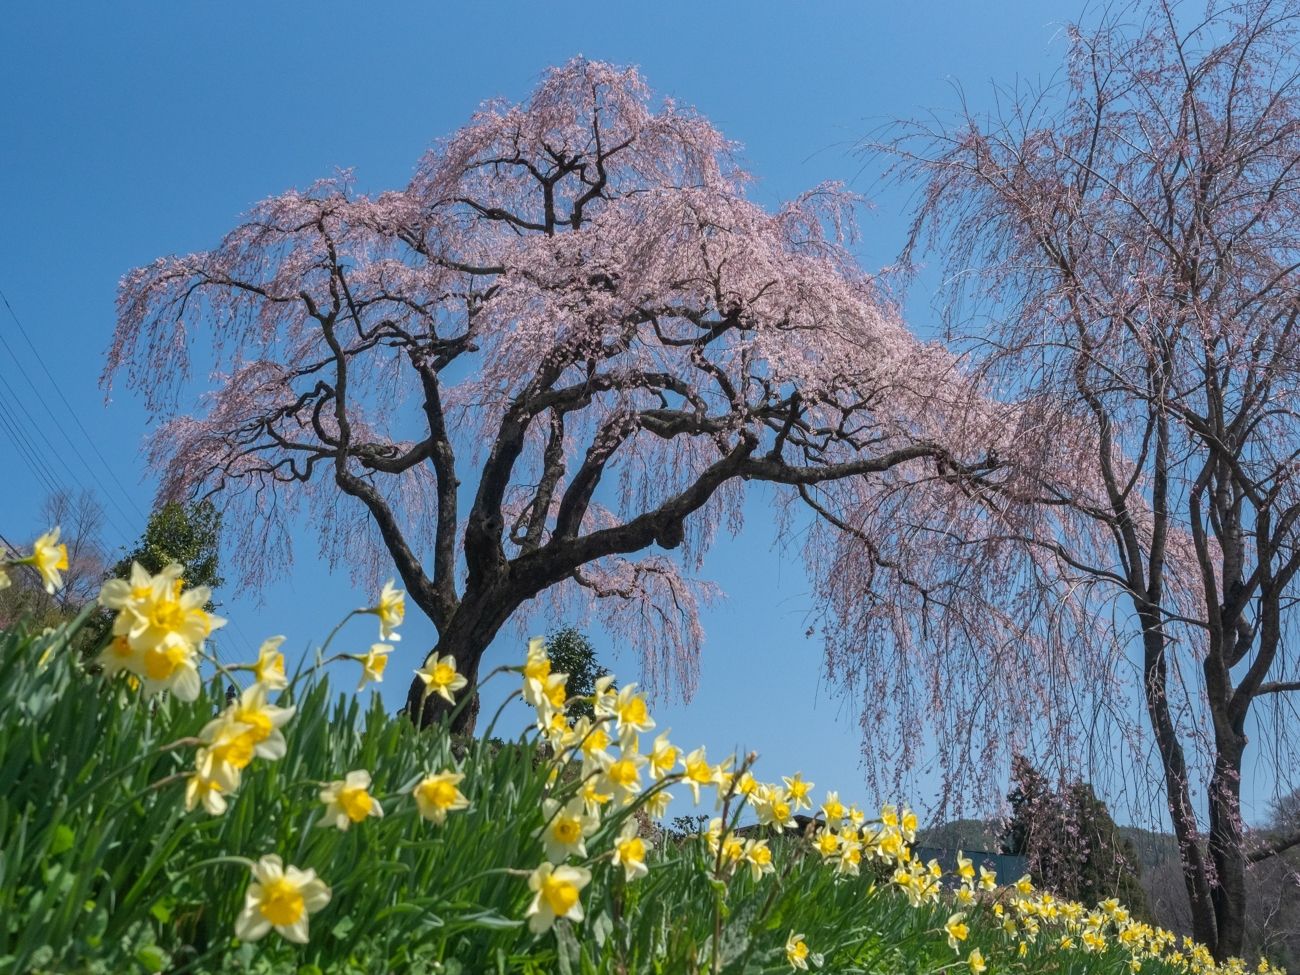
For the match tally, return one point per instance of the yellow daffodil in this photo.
(798, 791)
(663, 757)
(442, 678)
(262, 720)
(280, 898)
(554, 693)
(965, 868)
(976, 962)
(746, 785)
(988, 879)
(773, 807)
(437, 795)
(373, 664)
(269, 669)
(224, 761)
(5, 582)
(172, 665)
(630, 852)
(348, 800)
(50, 558)
(593, 795)
(565, 828)
(833, 809)
(199, 789)
(119, 657)
(850, 858)
(908, 825)
(605, 698)
(796, 952)
(165, 626)
(957, 930)
(758, 856)
(557, 893)
(631, 714)
(622, 775)
(700, 773)
(591, 739)
(537, 667)
(656, 804)
(827, 844)
(1024, 885)
(390, 609)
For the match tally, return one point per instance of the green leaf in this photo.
(62, 840)
(153, 958)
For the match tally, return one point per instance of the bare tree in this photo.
(81, 518)
(1124, 252)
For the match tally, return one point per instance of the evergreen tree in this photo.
(1069, 839)
(186, 533)
(572, 653)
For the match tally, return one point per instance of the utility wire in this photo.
(30, 456)
(33, 456)
(68, 406)
(36, 393)
(50, 451)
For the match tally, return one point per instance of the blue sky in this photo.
(136, 130)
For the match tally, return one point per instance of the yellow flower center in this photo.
(761, 855)
(699, 772)
(538, 670)
(799, 950)
(236, 751)
(258, 721)
(634, 712)
(595, 741)
(632, 850)
(623, 773)
(121, 647)
(439, 794)
(356, 802)
(560, 895)
(281, 902)
(271, 664)
(557, 695)
(567, 829)
(167, 615)
(444, 674)
(162, 661)
(375, 665)
(781, 810)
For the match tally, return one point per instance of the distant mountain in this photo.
(962, 834)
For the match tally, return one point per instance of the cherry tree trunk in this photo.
(1227, 850)
(466, 637)
(1174, 766)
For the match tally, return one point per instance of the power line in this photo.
(50, 452)
(30, 456)
(68, 406)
